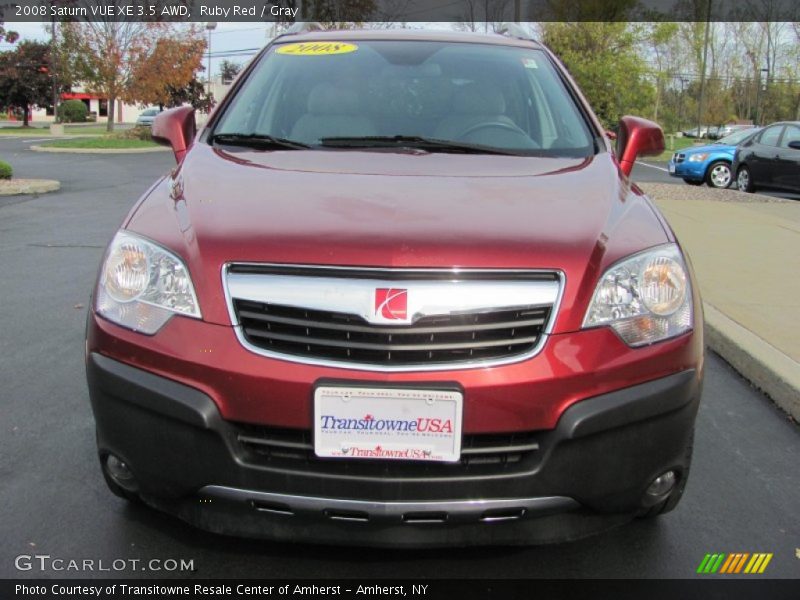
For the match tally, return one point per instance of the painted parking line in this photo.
(651, 166)
(26, 140)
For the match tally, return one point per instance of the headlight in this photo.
(698, 157)
(645, 298)
(142, 285)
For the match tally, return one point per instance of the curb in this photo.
(29, 186)
(56, 150)
(766, 367)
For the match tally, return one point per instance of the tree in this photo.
(25, 77)
(661, 37)
(6, 35)
(587, 10)
(104, 55)
(135, 61)
(484, 14)
(603, 58)
(341, 14)
(228, 71)
(193, 93)
(170, 64)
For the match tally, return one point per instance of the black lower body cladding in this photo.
(590, 472)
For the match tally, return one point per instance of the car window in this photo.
(771, 135)
(736, 137)
(500, 96)
(792, 134)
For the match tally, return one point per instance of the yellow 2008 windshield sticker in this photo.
(317, 48)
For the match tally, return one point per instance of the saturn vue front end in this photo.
(399, 291)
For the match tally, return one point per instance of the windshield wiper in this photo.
(257, 140)
(412, 141)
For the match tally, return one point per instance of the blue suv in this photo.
(710, 164)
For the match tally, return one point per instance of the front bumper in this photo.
(589, 472)
(694, 171)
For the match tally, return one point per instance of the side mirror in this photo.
(175, 128)
(795, 145)
(637, 137)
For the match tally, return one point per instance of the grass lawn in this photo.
(106, 143)
(24, 131)
(45, 131)
(84, 130)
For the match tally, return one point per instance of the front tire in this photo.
(744, 180)
(719, 175)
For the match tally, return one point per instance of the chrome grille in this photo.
(348, 337)
(337, 316)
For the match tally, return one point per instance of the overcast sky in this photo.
(226, 38)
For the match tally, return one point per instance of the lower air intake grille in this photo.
(292, 449)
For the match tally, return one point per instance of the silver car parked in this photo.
(147, 117)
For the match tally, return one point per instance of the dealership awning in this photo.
(78, 96)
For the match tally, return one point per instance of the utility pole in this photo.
(517, 11)
(762, 87)
(54, 69)
(680, 109)
(703, 72)
(210, 26)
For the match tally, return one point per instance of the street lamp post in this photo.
(210, 26)
(762, 87)
(684, 81)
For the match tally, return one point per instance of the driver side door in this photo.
(787, 162)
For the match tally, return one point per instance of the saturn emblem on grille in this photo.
(391, 303)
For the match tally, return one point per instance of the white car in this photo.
(696, 132)
(147, 117)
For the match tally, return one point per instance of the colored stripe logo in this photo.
(734, 563)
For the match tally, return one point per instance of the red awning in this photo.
(78, 96)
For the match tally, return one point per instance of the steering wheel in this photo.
(492, 125)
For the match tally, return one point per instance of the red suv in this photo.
(399, 290)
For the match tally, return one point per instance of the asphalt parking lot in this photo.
(742, 496)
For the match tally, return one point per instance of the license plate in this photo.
(671, 168)
(387, 423)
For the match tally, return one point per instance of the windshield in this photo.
(737, 137)
(150, 112)
(495, 97)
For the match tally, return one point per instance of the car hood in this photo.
(710, 148)
(392, 209)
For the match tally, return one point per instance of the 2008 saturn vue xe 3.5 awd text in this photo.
(399, 290)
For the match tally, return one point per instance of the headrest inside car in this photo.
(473, 99)
(328, 99)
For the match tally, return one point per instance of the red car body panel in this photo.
(526, 396)
(436, 213)
(440, 210)
(369, 209)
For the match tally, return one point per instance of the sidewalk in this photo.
(746, 254)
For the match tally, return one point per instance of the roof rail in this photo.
(514, 30)
(303, 27)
